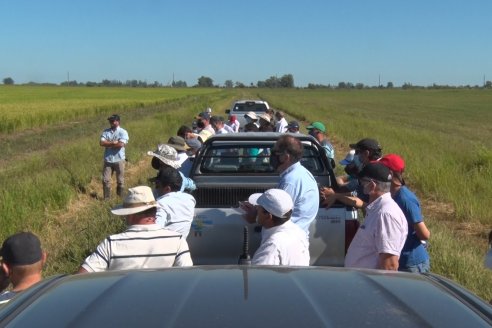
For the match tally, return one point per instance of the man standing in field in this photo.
(114, 140)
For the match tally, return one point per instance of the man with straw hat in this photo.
(144, 245)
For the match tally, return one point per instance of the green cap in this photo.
(318, 126)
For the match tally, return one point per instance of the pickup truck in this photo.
(229, 168)
(241, 107)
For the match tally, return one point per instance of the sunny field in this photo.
(50, 160)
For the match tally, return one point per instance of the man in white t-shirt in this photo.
(282, 242)
(380, 239)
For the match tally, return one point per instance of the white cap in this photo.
(275, 201)
(349, 158)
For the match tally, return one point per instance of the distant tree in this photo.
(272, 82)
(287, 81)
(261, 84)
(228, 84)
(179, 84)
(240, 85)
(8, 81)
(407, 85)
(389, 85)
(342, 85)
(487, 85)
(359, 86)
(205, 82)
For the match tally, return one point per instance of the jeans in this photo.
(417, 268)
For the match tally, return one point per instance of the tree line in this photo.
(285, 81)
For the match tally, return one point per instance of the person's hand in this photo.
(329, 201)
(250, 211)
(325, 192)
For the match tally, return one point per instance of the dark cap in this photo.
(366, 144)
(376, 171)
(114, 117)
(293, 125)
(204, 115)
(23, 248)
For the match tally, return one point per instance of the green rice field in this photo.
(50, 159)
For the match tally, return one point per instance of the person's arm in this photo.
(388, 262)
(421, 231)
(250, 211)
(344, 198)
(110, 144)
(183, 257)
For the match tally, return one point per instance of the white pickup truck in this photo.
(241, 107)
(228, 169)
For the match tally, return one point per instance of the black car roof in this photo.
(248, 296)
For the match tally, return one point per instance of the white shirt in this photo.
(285, 244)
(234, 125)
(281, 125)
(182, 157)
(146, 246)
(384, 230)
(175, 212)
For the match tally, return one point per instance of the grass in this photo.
(52, 170)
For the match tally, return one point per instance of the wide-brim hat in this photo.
(167, 155)
(251, 115)
(138, 199)
(178, 143)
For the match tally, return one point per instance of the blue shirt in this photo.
(413, 251)
(175, 212)
(114, 155)
(330, 151)
(300, 184)
(187, 184)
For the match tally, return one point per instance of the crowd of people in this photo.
(392, 235)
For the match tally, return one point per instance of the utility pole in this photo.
(379, 80)
(68, 78)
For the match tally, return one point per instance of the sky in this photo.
(317, 41)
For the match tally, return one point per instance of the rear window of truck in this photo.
(250, 106)
(240, 159)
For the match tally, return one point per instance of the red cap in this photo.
(394, 162)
